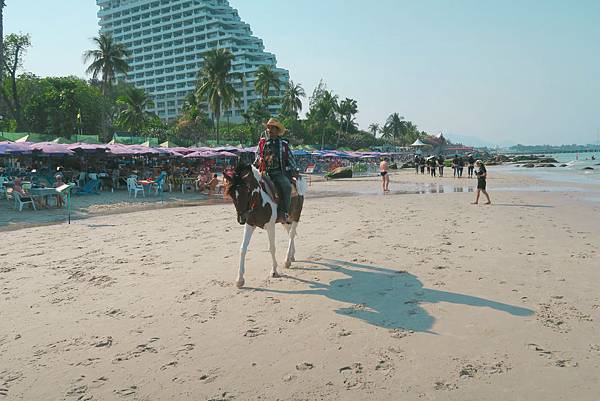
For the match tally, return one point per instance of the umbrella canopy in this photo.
(206, 154)
(14, 148)
(87, 147)
(227, 154)
(52, 149)
(300, 152)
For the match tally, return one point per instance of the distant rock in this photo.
(545, 165)
(588, 168)
(547, 160)
(529, 165)
(563, 165)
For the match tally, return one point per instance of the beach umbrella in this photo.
(206, 154)
(300, 152)
(52, 149)
(87, 147)
(17, 148)
(418, 143)
(227, 154)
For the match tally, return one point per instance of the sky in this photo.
(493, 72)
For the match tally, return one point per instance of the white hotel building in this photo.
(167, 39)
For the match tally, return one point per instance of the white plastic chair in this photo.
(135, 187)
(19, 202)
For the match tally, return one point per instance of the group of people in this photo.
(435, 165)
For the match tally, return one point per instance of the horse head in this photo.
(244, 190)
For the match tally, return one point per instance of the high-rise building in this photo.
(167, 39)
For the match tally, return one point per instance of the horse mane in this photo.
(237, 181)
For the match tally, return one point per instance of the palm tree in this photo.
(107, 60)
(386, 133)
(374, 129)
(347, 109)
(215, 83)
(292, 103)
(266, 78)
(325, 111)
(394, 123)
(133, 115)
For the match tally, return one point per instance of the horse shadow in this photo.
(386, 298)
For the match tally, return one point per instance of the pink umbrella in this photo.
(52, 149)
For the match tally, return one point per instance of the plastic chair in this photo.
(135, 187)
(20, 201)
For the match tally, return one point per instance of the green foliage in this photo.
(108, 59)
(266, 78)
(132, 116)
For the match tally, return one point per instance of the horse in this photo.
(257, 208)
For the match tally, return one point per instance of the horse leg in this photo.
(248, 231)
(291, 229)
(270, 227)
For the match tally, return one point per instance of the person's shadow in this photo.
(387, 298)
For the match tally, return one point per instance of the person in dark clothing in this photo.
(471, 168)
(461, 166)
(481, 182)
(422, 164)
(417, 161)
(432, 166)
(274, 157)
(455, 165)
(440, 163)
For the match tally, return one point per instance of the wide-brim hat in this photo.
(275, 123)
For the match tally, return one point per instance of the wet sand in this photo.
(393, 297)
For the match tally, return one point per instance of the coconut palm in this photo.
(323, 112)
(374, 129)
(215, 83)
(347, 109)
(133, 115)
(292, 103)
(386, 133)
(107, 60)
(266, 77)
(394, 123)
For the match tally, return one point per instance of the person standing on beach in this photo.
(422, 164)
(461, 166)
(455, 165)
(385, 176)
(471, 168)
(440, 162)
(417, 161)
(432, 162)
(481, 182)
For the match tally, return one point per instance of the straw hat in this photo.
(275, 123)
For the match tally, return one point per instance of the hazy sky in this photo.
(524, 71)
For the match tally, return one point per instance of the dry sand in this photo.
(401, 297)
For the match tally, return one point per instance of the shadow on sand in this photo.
(386, 298)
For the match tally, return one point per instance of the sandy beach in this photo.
(411, 296)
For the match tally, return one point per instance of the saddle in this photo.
(270, 188)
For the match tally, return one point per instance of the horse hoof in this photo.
(240, 283)
(287, 264)
(275, 275)
(292, 259)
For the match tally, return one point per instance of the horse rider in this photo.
(275, 159)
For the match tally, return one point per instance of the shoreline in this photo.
(404, 182)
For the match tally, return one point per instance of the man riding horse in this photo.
(275, 159)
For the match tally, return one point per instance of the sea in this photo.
(577, 170)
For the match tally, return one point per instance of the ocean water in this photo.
(574, 173)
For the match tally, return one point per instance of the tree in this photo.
(292, 102)
(133, 116)
(347, 109)
(107, 60)
(386, 133)
(215, 83)
(394, 124)
(266, 77)
(374, 129)
(15, 47)
(323, 110)
(2, 5)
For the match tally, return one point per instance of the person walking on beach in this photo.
(417, 161)
(274, 158)
(432, 165)
(471, 169)
(440, 162)
(385, 176)
(422, 164)
(455, 165)
(481, 182)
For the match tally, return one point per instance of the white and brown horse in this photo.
(257, 208)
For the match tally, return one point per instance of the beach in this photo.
(417, 295)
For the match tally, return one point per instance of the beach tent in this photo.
(418, 144)
(168, 144)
